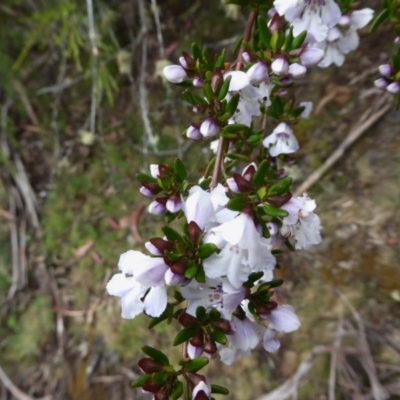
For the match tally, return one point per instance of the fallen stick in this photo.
(358, 130)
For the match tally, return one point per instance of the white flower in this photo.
(280, 66)
(209, 128)
(281, 141)
(239, 80)
(269, 342)
(257, 73)
(313, 16)
(201, 387)
(214, 293)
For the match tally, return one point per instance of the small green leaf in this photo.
(156, 355)
(196, 52)
(193, 98)
(206, 250)
(216, 389)
(171, 234)
(237, 204)
(184, 335)
(200, 275)
(191, 270)
(379, 19)
(254, 276)
(261, 172)
(218, 336)
(224, 88)
(274, 211)
(232, 104)
(208, 92)
(200, 313)
(177, 391)
(179, 169)
(236, 156)
(298, 40)
(274, 42)
(220, 60)
(195, 364)
(145, 178)
(280, 187)
(159, 378)
(269, 285)
(265, 34)
(396, 61)
(139, 382)
(235, 128)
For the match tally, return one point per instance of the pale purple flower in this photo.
(308, 107)
(284, 319)
(386, 70)
(239, 80)
(269, 342)
(281, 140)
(194, 351)
(232, 185)
(174, 204)
(201, 387)
(146, 192)
(175, 73)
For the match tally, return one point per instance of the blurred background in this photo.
(83, 109)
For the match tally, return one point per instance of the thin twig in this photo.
(222, 140)
(334, 355)
(358, 130)
(94, 69)
(149, 138)
(171, 102)
(379, 392)
(16, 392)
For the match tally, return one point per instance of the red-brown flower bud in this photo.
(195, 232)
(148, 365)
(198, 339)
(179, 267)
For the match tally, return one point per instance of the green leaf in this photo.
(179, 169)
(200, 313)
(214, 314)
(200, 275)
(288, 40)
(216, 389)
(171, 234)
(191, 270)
(196, 52)
(280, 187)
(396, 61)
(275, 41)
(177, 391)
(159, 378)
(232, 104)
(235, 128)
(208, 92)
(145, 178)
(184, 335)
(161, 318)
(265, 34)
(224, 88)
(254, 276)
(220, 60)
(192, 98)
(156, 355)
(206, 250)
(218, 336)
(236, 204)
(269, 285)
(274, 211)
(261, 172)
(298, 40)
(236, 156)
(139, 382)
(379, 19)
(195, 364)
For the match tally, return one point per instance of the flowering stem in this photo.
(223, 143)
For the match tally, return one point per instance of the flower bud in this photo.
(280, 66)
(174, 203)
(276, 23)
(217, 80)
(285, 81)
(394, 88)
(160, 245)
(198, 81)
(397, 40)
(381, 83)
(154, 170)
(174, 73)
(233, 187)
(146, 192)
(246, 57)
(157, 208)
(172, 279)
(386, 70)
(257, 73)
(152, 249)
(311, 56)
(344, 21)
(297, 71)
(193, 133)
(194, 351)
(210, 347)
(201, 392)
(195, 232)
(209, 128)
(148, 365)
(179, 267)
